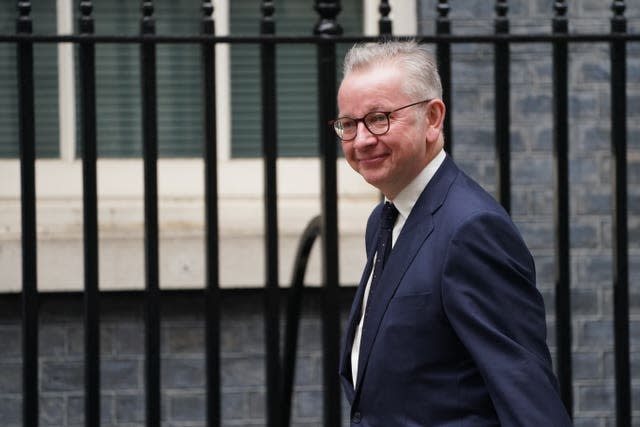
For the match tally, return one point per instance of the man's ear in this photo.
(436, 111)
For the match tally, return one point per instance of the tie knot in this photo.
(389, 215)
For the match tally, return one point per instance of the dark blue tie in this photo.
(388, 219)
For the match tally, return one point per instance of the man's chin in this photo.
(374, 179)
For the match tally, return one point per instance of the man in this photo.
(452, 331)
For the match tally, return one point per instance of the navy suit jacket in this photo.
(456, 331)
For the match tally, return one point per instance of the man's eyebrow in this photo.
(375, 108)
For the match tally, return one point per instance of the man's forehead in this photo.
(369, 94)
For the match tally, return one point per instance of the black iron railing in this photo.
(26, 102)
(87, 57)
(327, 34)
(561, 154)
(620, 230)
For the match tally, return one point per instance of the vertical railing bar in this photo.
(150, 157)
(212, 284)
(443, 54)
(384, 22)
(561, 152)
(86, 55)
(502, 118)
(326, 54)
(620, 227)
(26, 117)
(270, 154)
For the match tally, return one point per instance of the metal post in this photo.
(328, 27)
(150, 154)
(443, 53)
(212, 279)
(620, 227)
(502, 117)
(270, 153)
(561, 154)
(86, 56)
(26, 116)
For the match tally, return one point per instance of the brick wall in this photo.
(182, 361)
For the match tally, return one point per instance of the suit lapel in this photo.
(416, 230)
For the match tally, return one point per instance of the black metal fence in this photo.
(326, 35)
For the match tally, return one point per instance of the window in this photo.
(118, 103)
(296, 80)
(43, 16)
(179, 94)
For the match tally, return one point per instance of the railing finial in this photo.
(24, 24)
(207, 18)
(443, 9)
(560, 22)
(618, 21)
(268, 24)
(618, 7)
(560, 7)
(501, 20)
(384, 23)
(327, 24)
(207, 10)
(24, 8)
(147, 22)
(501, 8)
(86, 20)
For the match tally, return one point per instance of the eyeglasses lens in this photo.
(377, 123)
(346, 128)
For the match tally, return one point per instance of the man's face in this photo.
(389, 162)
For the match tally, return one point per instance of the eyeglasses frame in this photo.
(362, 119)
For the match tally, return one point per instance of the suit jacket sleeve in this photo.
(490, 299)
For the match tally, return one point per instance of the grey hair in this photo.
(422, 79)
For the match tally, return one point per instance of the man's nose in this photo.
(363, 135)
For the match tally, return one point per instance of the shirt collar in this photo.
(407, 198)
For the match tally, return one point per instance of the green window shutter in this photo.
(296, 77)
(45, 68)
(117, 81)
(178, 77)
(180, 127)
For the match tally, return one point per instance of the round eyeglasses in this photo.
(376, 122)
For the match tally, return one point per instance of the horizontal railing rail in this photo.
(448, 38)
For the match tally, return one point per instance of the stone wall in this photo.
(61, 375)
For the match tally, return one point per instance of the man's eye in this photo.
(347, 124)
(377, 118)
